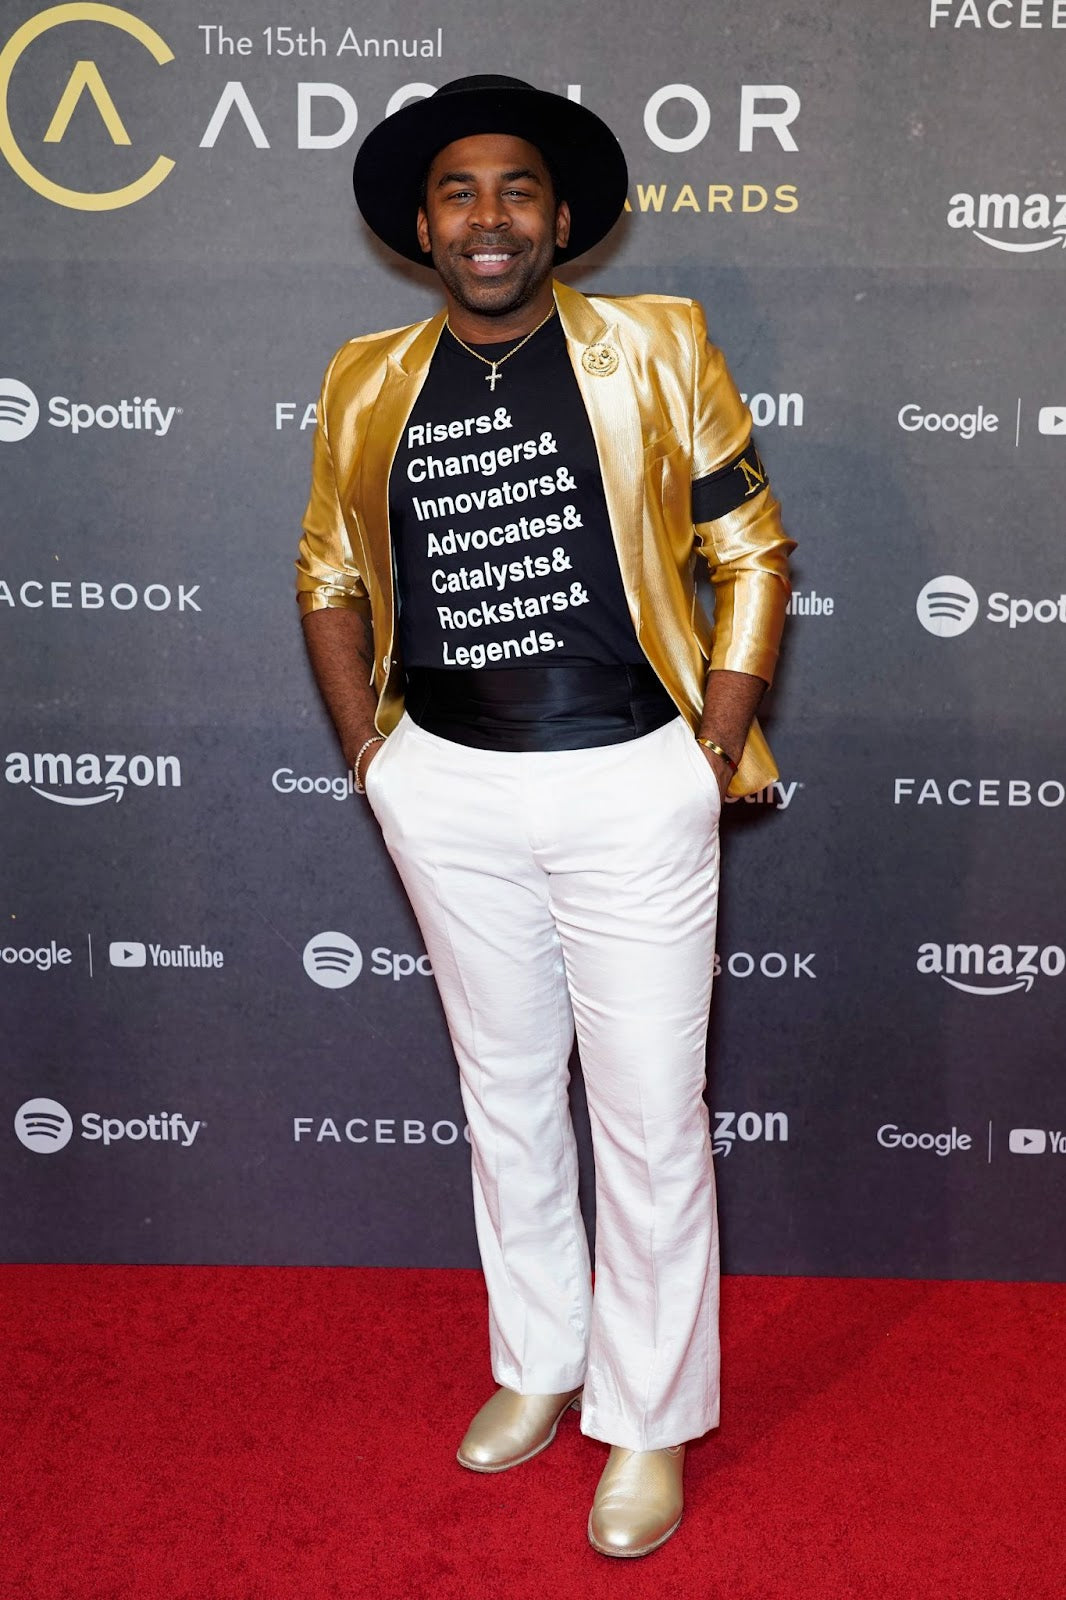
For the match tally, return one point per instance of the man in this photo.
(497, 585)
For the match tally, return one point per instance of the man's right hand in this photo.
(340, 645)
(369, 756)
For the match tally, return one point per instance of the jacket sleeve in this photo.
(740, 535)
(327, 574)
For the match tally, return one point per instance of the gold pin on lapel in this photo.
(600, 360)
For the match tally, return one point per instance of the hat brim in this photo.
(579, 147)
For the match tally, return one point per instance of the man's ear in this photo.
(562, 225)
(423, 229)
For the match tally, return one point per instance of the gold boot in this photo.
(510, 1428)
(639, 1501)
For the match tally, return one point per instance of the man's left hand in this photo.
(721, 769)
(730, 703)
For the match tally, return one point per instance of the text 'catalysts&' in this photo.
(489, 575)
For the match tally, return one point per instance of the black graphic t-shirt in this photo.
(502, 539)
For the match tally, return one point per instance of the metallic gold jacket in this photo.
(663, 413)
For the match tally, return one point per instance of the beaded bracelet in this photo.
(375, 738)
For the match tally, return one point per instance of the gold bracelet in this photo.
(716, 750)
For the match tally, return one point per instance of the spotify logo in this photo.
(947, 606)
(332, 960)
(19, 410)
(43, 1125)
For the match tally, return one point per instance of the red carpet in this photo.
(205, 1433)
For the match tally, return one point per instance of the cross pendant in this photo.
(492, 378)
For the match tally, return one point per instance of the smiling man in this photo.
(500, 271)
(497, 582)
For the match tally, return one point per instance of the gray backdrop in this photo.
(883, 265)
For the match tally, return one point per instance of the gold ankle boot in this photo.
(510, 1428)
(639, 1501)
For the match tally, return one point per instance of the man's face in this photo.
(491, 222)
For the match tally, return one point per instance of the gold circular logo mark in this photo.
(600, 360)
(85, 76)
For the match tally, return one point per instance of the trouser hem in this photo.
(615, 1430)
(540, 1380)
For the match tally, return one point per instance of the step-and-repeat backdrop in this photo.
(221, 1038)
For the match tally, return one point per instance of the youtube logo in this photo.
(1052, 419)
(127, 953)
(1027, 1141)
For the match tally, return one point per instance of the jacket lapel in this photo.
(405, 374)
(611, 402)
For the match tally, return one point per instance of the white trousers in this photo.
(563, 888)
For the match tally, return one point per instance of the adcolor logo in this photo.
(19, 411)
(43, 1125)
(947, 606)
(85, 79)
(332, 960)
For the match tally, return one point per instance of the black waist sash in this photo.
(576, 707)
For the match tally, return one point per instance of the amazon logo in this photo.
(1018, 224)
(1000, 969)
(88, 779)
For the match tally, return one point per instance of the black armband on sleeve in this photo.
(723, 491)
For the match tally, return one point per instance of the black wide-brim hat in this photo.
(582, 152)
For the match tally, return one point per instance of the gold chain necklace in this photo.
(492, 378)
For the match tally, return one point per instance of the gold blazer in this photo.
(664, 411)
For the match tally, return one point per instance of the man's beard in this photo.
(492, 297)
